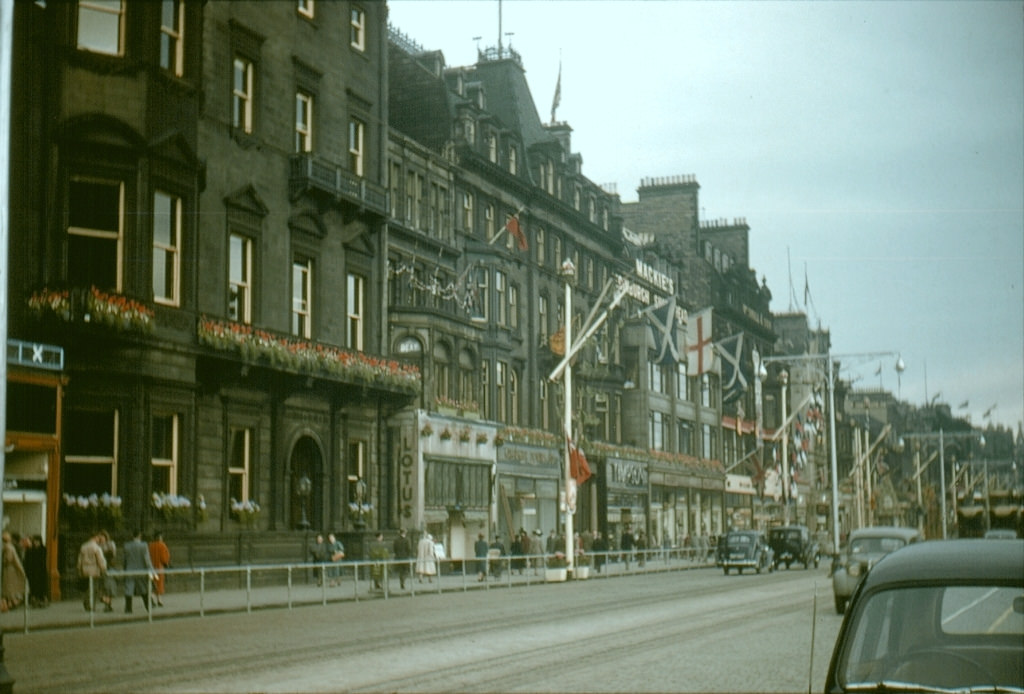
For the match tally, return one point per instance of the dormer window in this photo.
(492, 148)
(513, 162)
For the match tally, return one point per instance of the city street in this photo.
(691, 631)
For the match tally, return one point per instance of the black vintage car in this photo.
(793, 544)
(744, 549)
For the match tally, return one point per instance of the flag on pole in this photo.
(517, 233)
(579, 468)
(558, 93)
(699, 348)
(662, 319)
(735, 372)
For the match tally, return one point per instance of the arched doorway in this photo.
(306, 485)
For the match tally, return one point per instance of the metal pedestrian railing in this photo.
(210, 590)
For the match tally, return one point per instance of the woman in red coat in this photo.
(161, 558)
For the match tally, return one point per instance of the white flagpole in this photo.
(568, 273)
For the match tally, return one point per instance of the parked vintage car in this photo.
(793, 544)
(864, 547)
(938, 616)
(744, 549)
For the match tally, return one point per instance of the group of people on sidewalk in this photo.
(144, 564)
(327, 554)
(424, 560)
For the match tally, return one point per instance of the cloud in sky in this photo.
(879, 145)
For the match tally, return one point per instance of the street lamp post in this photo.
(784, 380)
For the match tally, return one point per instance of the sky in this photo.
(876, 149)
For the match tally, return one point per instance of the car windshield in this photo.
(739, 540)
(875, 545)
(941, 636)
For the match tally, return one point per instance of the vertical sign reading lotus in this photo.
(410, 505)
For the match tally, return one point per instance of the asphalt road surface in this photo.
(693, 631)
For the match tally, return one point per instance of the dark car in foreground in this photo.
(864, 547)
(744, 549)
(793, 544)
(939, 616)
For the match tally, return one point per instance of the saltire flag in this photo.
(517, 233)
(579, 468)
(699, 347)
(662, 318)
(736, 370)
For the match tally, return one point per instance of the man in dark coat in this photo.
(626, 545)
(480, 551)
(136, 559)
(402, 549)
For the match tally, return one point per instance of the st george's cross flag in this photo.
(699, 347)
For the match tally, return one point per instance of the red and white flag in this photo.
(699, 348)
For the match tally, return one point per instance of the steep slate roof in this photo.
(509, 98)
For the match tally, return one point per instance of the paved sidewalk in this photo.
(354, 585)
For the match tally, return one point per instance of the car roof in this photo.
(885, 531)
(951, 561)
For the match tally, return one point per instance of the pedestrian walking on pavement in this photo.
(109, 548)
(36, 573)
(337, 552)
(379, 554)
(160, 555)
(626, 545)
(136, 559)
(496, 552)
(319, 553)
(93, 565)
(402, 548)
(537, 550)
(480, 549)
(426, 558)
(14, 581)
(551, 546)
